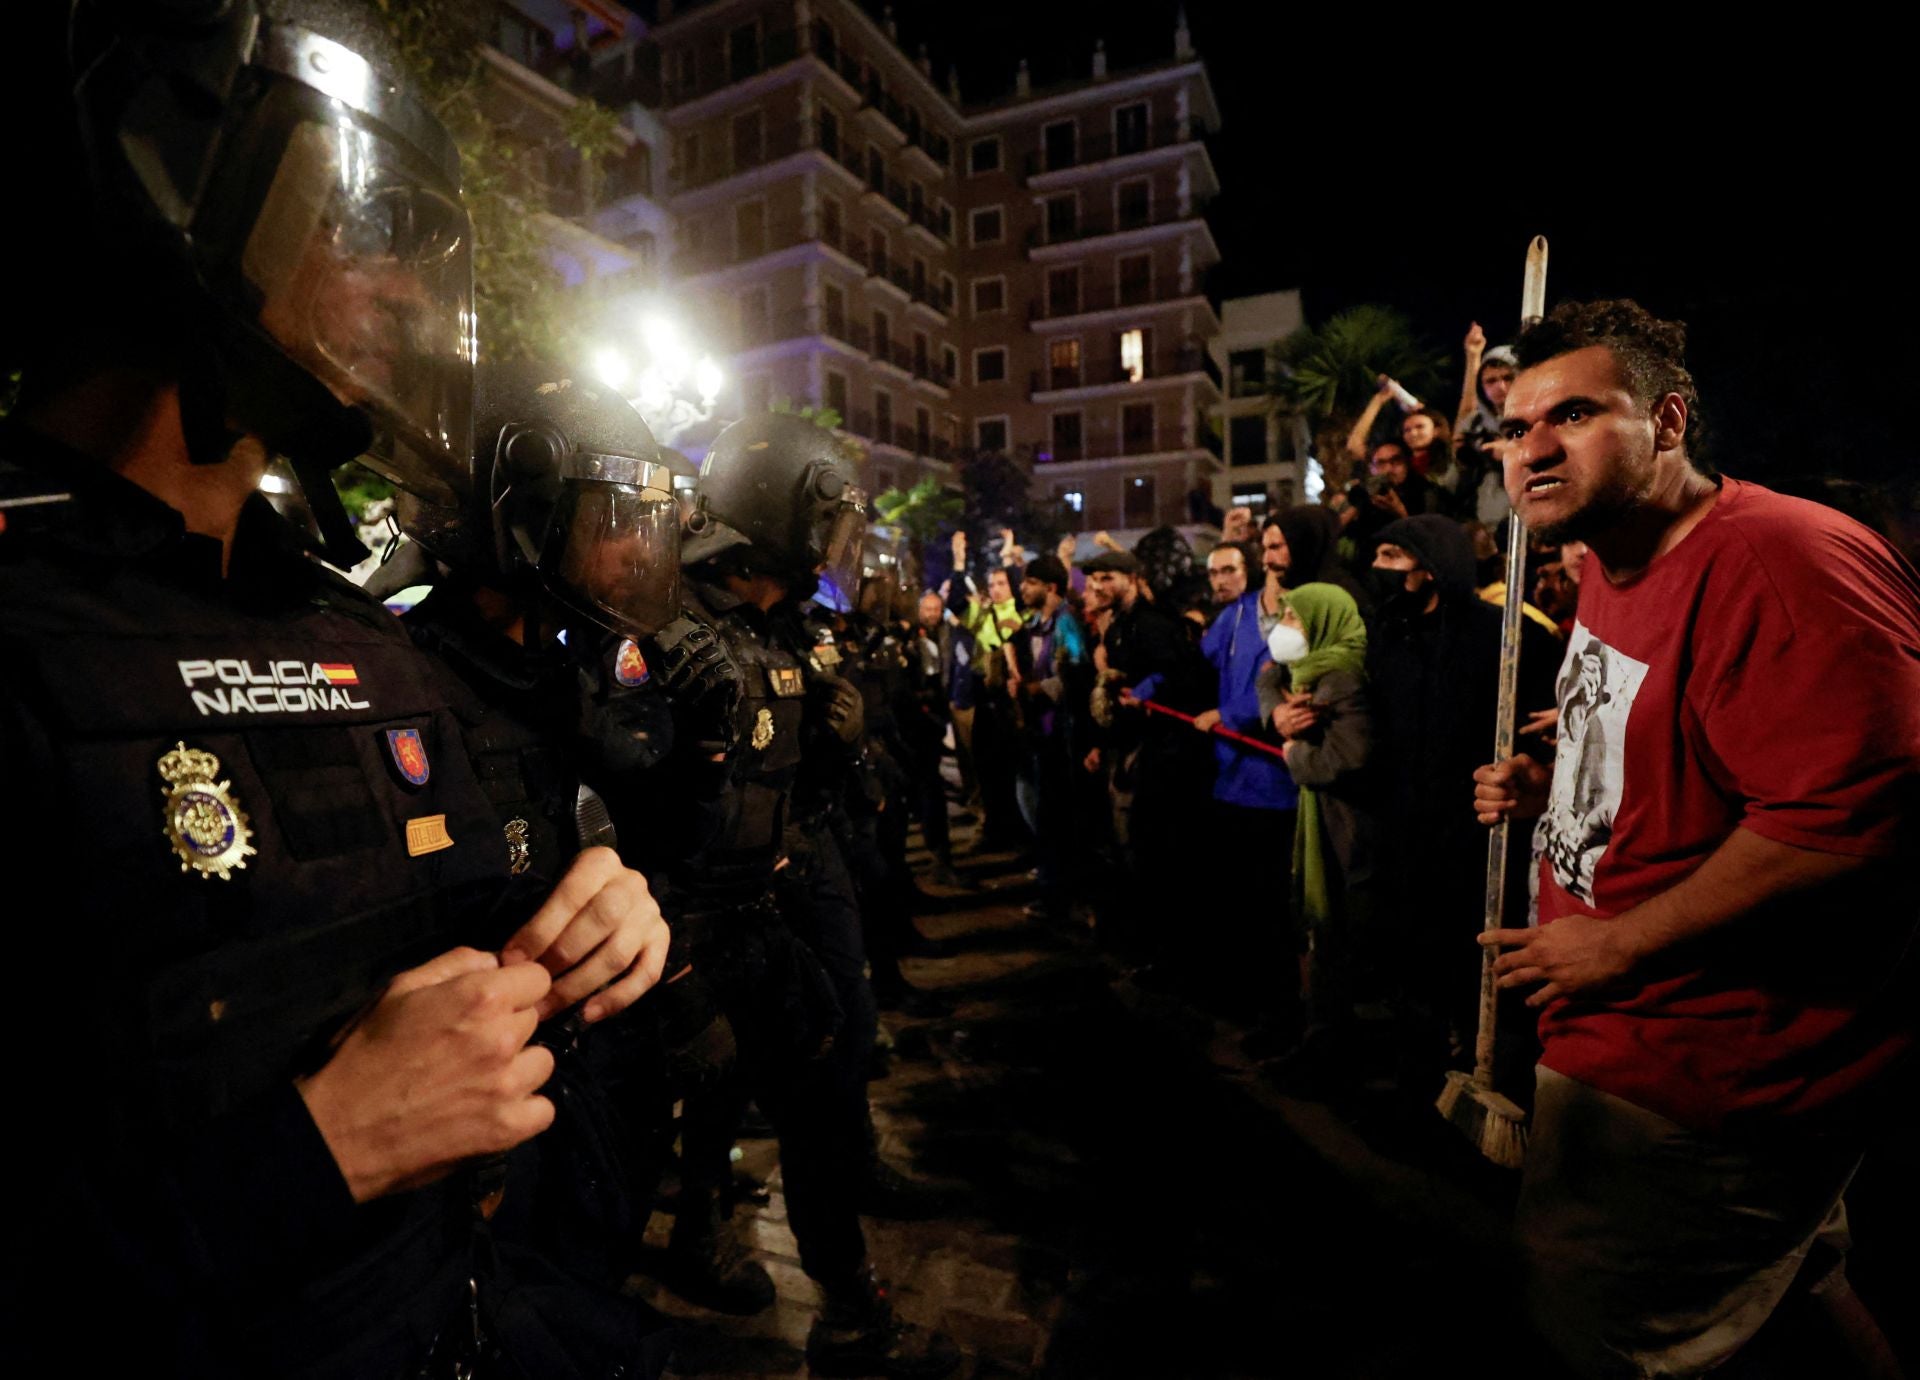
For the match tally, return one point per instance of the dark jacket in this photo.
(1334, 759)
(1313, 538)
(176, 1177)
(1158, 661)
(1435, 680)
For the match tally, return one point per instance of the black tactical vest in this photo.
(737, 861)
(241, 806)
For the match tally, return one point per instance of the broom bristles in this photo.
(1496, 1126)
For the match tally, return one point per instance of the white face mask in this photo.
(1286, 644)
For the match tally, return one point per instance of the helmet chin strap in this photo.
(238, 374)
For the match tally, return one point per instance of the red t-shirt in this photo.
(1764, 674)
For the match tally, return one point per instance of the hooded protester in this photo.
(1434, 668)
(1313, 537)
(1482, 488)
(1314, 696)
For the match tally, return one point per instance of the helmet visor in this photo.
(614, 553)
(837, 537)
(360, 260)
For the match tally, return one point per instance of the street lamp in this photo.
(675, 388)
(611, 368)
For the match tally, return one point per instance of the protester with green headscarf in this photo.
(1315, 698)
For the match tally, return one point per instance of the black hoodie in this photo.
(1434, 686)
(1313, 538)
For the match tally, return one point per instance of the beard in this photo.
(1608, 507)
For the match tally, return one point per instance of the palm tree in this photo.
(921, 514)
(1327, 374)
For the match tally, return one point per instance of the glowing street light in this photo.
(611, 368)
(708, 380)
(662, 336)
(671, 385)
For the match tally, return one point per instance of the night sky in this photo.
(1753, 183)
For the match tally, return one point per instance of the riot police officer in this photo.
(779, 511)
(562, 553)
(275, 1018)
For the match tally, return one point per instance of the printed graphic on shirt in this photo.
(1596, 691)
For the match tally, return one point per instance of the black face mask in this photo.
(1389, 589)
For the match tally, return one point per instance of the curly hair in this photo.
(1651, 353)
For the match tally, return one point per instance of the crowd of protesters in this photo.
(1261, 779)
(1301, 711)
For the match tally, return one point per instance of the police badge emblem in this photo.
(629, 667)
(519, 850)
(762, 730)
(409, 755)
(208, 830)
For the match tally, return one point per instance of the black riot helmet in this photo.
(566, 494)
(785, 491)
(293, 217)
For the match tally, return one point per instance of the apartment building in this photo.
(1025, 276)
(606, 233)
(1266, 447)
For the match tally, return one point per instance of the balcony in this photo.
(939, 226)
(710, 253)
(1160, 440)
(891, 191)
(914, 288)
(713, 69)
(1100, 148)
(1106, 297)
(1061, 231)
(887, 432)
(779, 142)
(936, 300)
(894, 117)
(934, 149)
(819, 321)
(1102, 373)
(574, 71)
(799, 324)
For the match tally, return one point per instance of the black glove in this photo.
(699, 672)
(840, 706)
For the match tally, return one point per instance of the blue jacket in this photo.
(1237, 650)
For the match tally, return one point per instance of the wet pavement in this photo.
(1135, 1201)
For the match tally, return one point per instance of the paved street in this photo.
(1137, 1204)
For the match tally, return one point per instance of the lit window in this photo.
(1075, 499)
(1133, 355)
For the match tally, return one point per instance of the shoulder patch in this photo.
(629, 667)
(409, 755)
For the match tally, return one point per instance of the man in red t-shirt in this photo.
(1737, 775)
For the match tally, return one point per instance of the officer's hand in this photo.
(437, 1072)
(1513, 789)
(844, 711)
(600, 928)
(696, 667)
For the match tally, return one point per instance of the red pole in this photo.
(1227, 733)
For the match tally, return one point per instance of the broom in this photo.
(1494, 1123)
